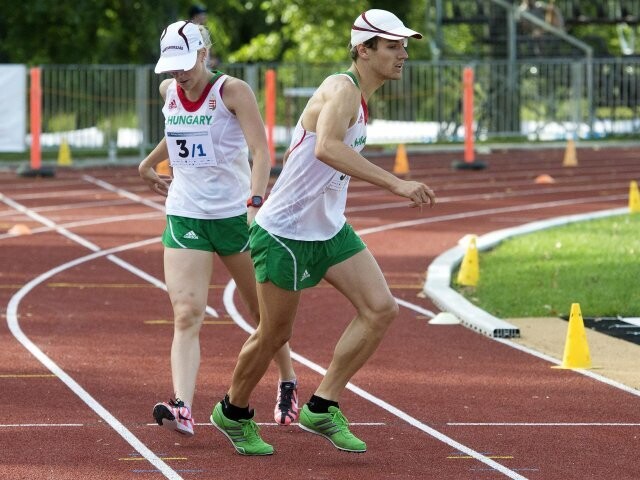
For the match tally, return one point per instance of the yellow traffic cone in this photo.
(163, 168)
(570, 157)
(576, 349)
(469, 274)
(64, 154)
(634, 197)
(401, 165)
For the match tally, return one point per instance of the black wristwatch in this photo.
(255, 201)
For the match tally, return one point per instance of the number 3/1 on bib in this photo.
(192, 149)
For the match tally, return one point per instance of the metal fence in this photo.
(112, 108)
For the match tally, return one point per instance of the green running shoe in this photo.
(243, 434)
(332, 425)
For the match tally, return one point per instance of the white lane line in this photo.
(71, 206)
(242, 323)
(415, 308)
(38, 425)
(124, 193)
(488, 211)
(79, 391)
(494, 195)
(92, 221)
(91, 246)
(587, 373)
(542, 424)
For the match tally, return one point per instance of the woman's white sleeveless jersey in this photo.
(208, 154)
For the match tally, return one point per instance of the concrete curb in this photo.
(438, 284)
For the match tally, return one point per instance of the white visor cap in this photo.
(379, 23)
(179, 45)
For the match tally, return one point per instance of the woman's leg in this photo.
(187, 275)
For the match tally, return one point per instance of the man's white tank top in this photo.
(308, 199)
(208, 153)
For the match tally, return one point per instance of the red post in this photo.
(469, 162)
(36, 118)
(467, 81)
(270, 111)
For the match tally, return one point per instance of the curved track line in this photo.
(14, 327)
(89, 245)
(241, 322)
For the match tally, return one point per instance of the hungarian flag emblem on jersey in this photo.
(212, 104)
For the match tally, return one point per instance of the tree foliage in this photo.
(127, 31)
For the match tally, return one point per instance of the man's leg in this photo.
(360, 279)
(232, 416)
(241, 269)
(286, 409)
(277, 312)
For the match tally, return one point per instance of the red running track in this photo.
(84, 348)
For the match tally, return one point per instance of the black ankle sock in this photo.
(320, 405)
(234, 413)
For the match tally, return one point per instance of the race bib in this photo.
(339, 181)
(191, 149)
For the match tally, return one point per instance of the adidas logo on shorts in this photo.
(191, 235)
(305, 275)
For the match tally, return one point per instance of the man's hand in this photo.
(419, 193)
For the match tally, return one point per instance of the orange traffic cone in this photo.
(544, 178)
(570, 156)
(401, 165)
(19, 229)
(163, 168)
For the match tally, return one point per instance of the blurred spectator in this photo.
(548, 12)
(198, 14)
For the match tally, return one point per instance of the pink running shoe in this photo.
(286, 410)
(175, 416)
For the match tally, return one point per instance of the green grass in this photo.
(594, 263)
